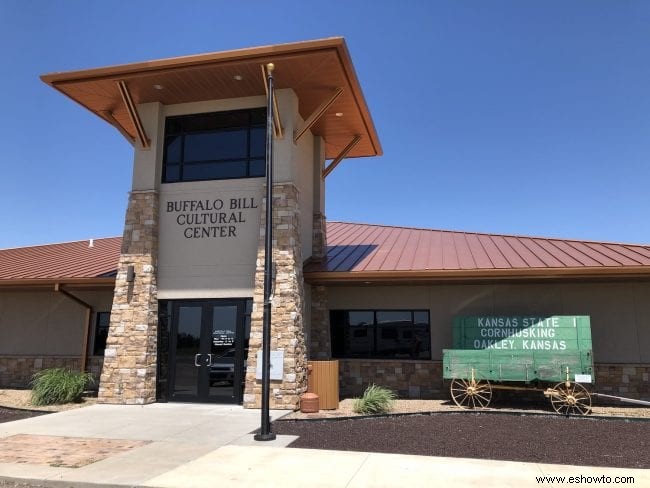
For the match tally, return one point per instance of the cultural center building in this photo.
(172, 310)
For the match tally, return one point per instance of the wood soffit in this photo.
(313, 69)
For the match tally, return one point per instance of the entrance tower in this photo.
(186, 321)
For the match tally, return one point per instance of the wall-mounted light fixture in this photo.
(130, 274)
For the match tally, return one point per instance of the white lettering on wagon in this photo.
(487, 343)
(528, 333)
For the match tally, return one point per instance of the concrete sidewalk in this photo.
(191, 445)
(175, 434)
(234, 466)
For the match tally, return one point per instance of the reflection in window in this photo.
(102, 323)
(381, 334)
(215, 146)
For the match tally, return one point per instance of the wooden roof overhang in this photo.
(473, 276)
(320, 72)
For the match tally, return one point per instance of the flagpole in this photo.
(265, 433)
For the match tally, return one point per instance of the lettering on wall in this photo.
(211, 218)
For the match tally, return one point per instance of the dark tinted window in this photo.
(389, 334)
(257, 167)
(173, 147)
(215, 146)
(210, 146)
(214, 171)
(102, 322)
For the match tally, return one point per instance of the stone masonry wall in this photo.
(287, 331)
(319, 337)
(17, 371)
(626, 380)
(319, 237)
(423, 379)
(409, 379)
(129, 373)
(319, 333)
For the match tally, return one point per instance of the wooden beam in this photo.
(86, 339)
(278, 131)
(341, 155)
(108, 116)
(316, 115)
(133, 114)
(87, 319)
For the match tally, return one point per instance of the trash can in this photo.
(324, 381)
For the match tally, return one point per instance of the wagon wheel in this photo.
(571, 398)
(471, 393)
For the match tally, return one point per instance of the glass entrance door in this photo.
(209, 339)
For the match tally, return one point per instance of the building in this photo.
(173, 309)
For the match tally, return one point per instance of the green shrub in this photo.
(59, 385)
(376, 399)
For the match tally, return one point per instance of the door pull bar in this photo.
(196, 360)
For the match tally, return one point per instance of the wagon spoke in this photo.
(582, 409)
(485, 401)
(571, 399)
(463, 398)
(471, 394)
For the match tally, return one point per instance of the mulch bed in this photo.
(11, 414)
(549, 439)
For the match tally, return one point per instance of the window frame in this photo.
(343, 351)
(248, 160)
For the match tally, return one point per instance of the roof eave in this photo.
(424, 276)
(59, 79)
(179, 62)
(50, 282)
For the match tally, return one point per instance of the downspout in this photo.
(84, 351)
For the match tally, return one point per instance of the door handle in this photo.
(196, 360)
(209, 362)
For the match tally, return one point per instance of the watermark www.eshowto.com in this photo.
(588, 480)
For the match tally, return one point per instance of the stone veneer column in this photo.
(319, 237)
(287, 329)
(129, 372)
(319, 337)
(319, 334)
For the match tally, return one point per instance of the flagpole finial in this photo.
(270, 67)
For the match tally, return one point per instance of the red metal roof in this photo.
(362, 248)
(69, 260)
(370, 252)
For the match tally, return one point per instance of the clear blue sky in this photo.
(518, 117)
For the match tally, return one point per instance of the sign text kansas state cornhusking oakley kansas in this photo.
(556, 333)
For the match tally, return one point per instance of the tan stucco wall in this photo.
(209, 267)
(620, 312)
(46, 323)
(318, 198)
(222, 266)
(147, 167)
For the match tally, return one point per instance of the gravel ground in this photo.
(13, 398)
(510, 404)
(530, 438)
(9, 414)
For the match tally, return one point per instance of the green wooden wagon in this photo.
(521, 353)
